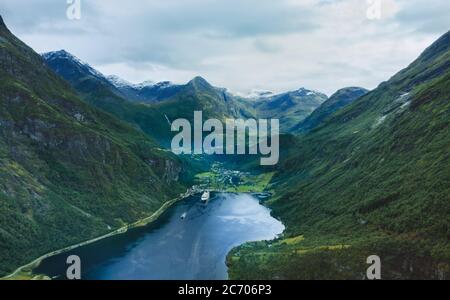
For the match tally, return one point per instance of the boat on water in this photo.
(183, 216)
(262, 196)
(205, 196)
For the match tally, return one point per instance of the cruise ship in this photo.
(205, 196)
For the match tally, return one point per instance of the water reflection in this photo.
(190, 241)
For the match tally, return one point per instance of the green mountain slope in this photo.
(372, 180)
(180, 101)
(337, 101)
(154, 118)
(68, 172)
(199, 95)
(96, 90)
(290, 108)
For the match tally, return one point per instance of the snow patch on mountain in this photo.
(120, 83)
(64, 55)
(306, 92)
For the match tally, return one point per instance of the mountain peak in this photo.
(200, 83)
(346, 95)
(199, 79)
(351, 89)
(57, 57)
(303, 92)
(118, 81)
(338, 100)
(59, 54)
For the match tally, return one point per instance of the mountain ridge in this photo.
(337, 101)
(290, 107)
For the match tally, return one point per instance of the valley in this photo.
(86, 167)
(193, 247)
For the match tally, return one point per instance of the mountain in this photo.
(69, 172)
(372, 180)
(110, 94)
(80, 74)
(290, 108)
(199, 94)
(338, 100)
(85, 79)
(145, 92)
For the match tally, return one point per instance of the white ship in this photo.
(205, 196)
(183, 216)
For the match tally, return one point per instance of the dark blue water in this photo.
(175, 248)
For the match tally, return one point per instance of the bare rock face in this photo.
(172, 171)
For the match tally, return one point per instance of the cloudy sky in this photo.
(239, 44)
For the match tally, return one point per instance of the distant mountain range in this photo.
(290, 107)
(145, 92)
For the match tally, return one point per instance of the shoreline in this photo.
(24, 272)
(26, 269)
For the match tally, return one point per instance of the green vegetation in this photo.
(370, 177)
(373, 178)
(221, 179)
(337, 101)
(152, 119)
(252, 183)
(68, 172)
(290, 108)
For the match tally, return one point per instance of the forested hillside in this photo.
(373, 179)
(68, 172)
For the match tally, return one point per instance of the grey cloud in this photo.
(430, 17)
(235, 43)
(266, 47)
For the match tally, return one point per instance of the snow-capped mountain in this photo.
(73, 69)
(306, 92)
(118, 82)
(147, 91)
(63, 62)
(337, 101)
(290, 107)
